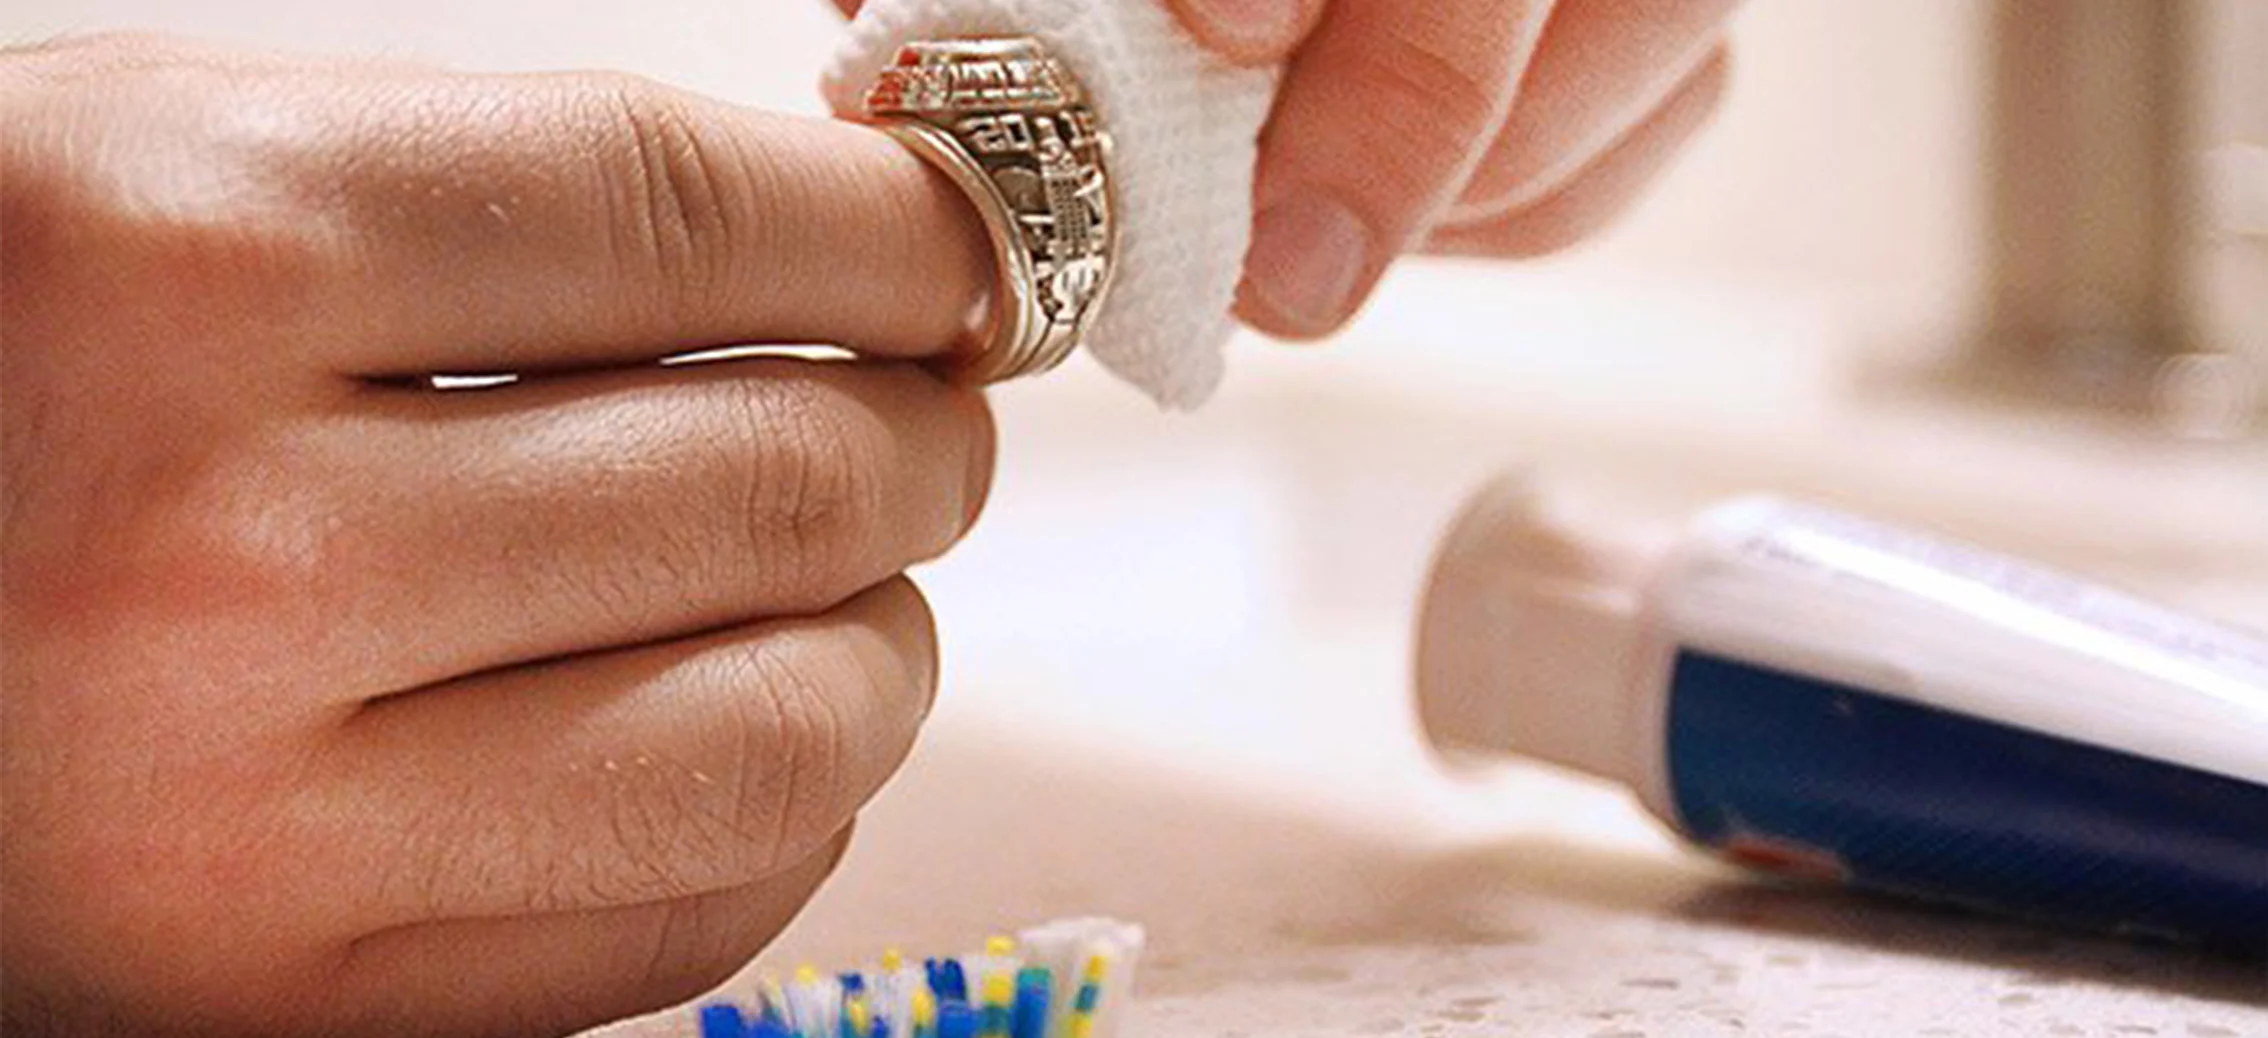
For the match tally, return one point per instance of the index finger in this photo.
(437, 223)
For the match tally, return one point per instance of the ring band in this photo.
(1010, 126)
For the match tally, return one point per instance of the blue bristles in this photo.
(950, 982)
(1053, 987)
(723, 1020)
(958, 1019)
(1035, 988)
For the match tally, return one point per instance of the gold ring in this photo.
(1010, 126)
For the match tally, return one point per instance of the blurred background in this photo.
(1998, 268)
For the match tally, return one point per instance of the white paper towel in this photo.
(1184, 129)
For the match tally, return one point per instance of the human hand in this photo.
(1505, 128)
(337, 705)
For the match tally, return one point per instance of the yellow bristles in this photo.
(1000, 947)
(893, 960)
(924, 1009)
(999, 989)
(1082, 1022)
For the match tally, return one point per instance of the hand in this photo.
(334, 704)
(1502, 128)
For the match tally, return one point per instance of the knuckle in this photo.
(1460, 89)
(1458, 93)
(812, 501)
(204, 542)
(168, 197)
(230, 256)
(677, 193)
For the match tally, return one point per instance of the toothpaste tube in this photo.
(1818, 694)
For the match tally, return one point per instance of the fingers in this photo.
(1601, 192)
(555, 974)
(624, 507)
(1603, 67)
(395, 221)
(625, 778)
(1381, 117)
(565, 219)
(1251, 32)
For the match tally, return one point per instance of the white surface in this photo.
(1178, 692)
(1184, 129)
(1527, 575)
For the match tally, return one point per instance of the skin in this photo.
(1503, 128)
(336, 704)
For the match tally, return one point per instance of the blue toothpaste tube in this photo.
(1818, 694)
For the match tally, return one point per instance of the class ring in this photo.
(1011, 127)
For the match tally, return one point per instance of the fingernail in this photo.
(1309, 258)
(1259, 26)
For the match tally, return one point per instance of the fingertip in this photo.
(905, 627)
(1261, 317)
(984, 453)
(1312, 264)
(1248, 32)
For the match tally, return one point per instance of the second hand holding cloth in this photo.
(1183, 127)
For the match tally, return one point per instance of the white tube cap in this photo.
(1528, 638)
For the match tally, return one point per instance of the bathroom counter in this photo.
(1177, 692)
(1304, 874)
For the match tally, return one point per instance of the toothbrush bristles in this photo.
(1056, 989)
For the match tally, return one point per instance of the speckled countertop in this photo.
(1353, 890)
(1177, 692)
